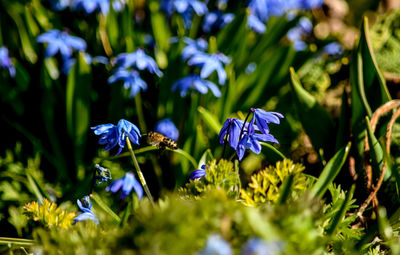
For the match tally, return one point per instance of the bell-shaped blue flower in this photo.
(195, 82)
(257, 246)
(167, 128)
(102, 174)
(127, 129)
(255, 24)
(125, 185)
(333, 49)
(216, 20)
(59, 5)
(185, 8)
(209, 64)
(5, 61)
(216, 245)
(193, 47)
(90, 6)
(61, 42)
(139, 60)
(108, 135)
(131, 80)
(296, 34)
(199, 173)
(262, 118)
(232, 128)
(86, 207)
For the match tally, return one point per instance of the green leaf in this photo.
(36, 188)
(78, 102)
(315, 120)
(159, 25)
(210, 119)
(285, 191)
(330, 171)
(368, 87)
(376, 152)
(340, 214)
(96, 198)
(272, 154)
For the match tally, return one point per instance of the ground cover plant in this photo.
(199, 127)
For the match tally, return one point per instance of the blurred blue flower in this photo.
(90, 6)
(199, 173)
(295, 35)
(184, 7)
(59, 5)
(139, 60)
(86, 207)
(126, 184)
(108, 135)
(131, 80)
(194, 82)
(127, 129)
(256, 24)
(167, 128)
(333, 49)
(310, 4)
(5, 61)
(216, 245)
(193, 47)
(61, 42)
(69, 62)
(251, 140)
(250, 68)
(103, 174)
(209, 64)
(216, 20)
(262, 119)
(232, 127)
(257, 246)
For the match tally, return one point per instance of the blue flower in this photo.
(90, 6)
(59, 5)
(86, 207)
(69, 62)
(194, 82)
(131, 80)
(262, 118)
(296, 34)
(185, 8)
(199, 173)
(257, 246)
(333, 49)
(167, 128)
(252, 140)
(232, 127)
(256, 24)
(216, 20)
(216, 245)
(103, 174)
(139, 60)
(193, 47)
(108, 135)
(113, 135)
(126, 184)
(5, 61)
(61, 42)
(251, 68)
(209, 64)
(310, 4)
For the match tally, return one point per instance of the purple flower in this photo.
(262, 119)
(167, 128)
(113, 135)
(126, 184)
(139, 60)
(61, 42)
(232, 128)
(194, 82)
(199, 173)
(209, 64)
(131, 80)
(86, 207)
(5, 61)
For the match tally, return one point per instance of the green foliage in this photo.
(266, 185)
(221, 175)
(49, 214)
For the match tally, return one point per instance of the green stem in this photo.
(139, 110)
(139, 172)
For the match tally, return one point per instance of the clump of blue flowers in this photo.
(242, 135)
(167, 128)
(186, 8)
(125, 185)
(86, 206)
(303, 28)
(111, 135)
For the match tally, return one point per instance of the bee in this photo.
(157, 139)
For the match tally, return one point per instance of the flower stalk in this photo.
(139, 172)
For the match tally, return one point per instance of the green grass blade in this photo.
(96, 198)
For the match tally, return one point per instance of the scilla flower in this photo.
(193, 47)
(262, 118)
(232, 128)
(61, 42)
(209, 64)
(131, 80)
(5, 61)
(126, 184)
(139, 60)
(257, 246)
(112, 135)
(90, 6)
(185, 8)
(216, 20)
(199, 173)
(216, 245)
(86, 207)
(195, 82)
(167, 128)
